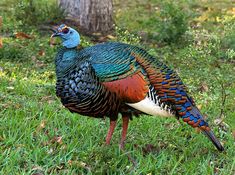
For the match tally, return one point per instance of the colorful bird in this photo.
(114, 78)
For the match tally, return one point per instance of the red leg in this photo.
(110, 132)
(125, 121)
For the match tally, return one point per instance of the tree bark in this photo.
(93, 15)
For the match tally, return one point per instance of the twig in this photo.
(134, 163)
(224, 96)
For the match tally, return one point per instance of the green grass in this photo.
(38, 135)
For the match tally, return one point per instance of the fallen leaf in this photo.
(34, 168)
(48, 99)
(97, 34)
(233, 133)
(33, 58)
(0, 21)
(219, 122)
(216, 170)
(52, 42)
(60, 167)
(199, 107)
(204, 87)
(76, 163)
(41, 53)
(41, 126)
(22, 35)
(205, 116)
(38, 170)
(37, 62)
(1, 44)
(110, 37)
(102, 39)
(59, 140)
(50, 151)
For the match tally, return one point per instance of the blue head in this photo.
(70, 37)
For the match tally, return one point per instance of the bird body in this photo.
(121, 77)
(111, 78)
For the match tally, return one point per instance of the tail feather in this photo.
(213, 139)
(194, 118)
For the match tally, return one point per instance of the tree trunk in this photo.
(93, 15)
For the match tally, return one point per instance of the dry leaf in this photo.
(56, 139)
(38, 169)
(233, 133)
(41, 53)
(204, 87)
(48, 99)
(110, 37)
(70, 162)
(22, 35)
(205, 116)
(219, 122)
(199, 107)
(41, 126)
(33, 58)
(50, 151)
(0, 21)
(52, 42)
(78, 164)
(96, 34)
(37, 62)
(59, 140)
(34, 168)
(1, 44)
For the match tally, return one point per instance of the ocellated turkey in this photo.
(114, 78)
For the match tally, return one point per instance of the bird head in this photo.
(70, 37)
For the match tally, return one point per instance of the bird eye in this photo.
(65, 30)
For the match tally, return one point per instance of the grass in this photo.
(38, 135)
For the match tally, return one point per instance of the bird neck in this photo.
(65, 59)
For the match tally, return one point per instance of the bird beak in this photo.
(55, 34)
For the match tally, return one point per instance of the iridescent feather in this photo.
(111, 78)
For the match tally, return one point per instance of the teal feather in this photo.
(81, 74)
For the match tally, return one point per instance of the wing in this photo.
(144, 83)
(125, 70)
(118, 71)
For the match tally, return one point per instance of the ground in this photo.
(38, 135)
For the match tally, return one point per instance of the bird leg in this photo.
(125, 121)
(110, 131)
